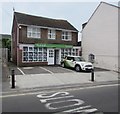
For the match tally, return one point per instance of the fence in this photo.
(4, 52)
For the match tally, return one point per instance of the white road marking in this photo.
(76, 109)
(53, 95)
(51, 105)
(99, 86)
(21, 71)
(46, 70)
(88, 110)
(21, 94)
(27, 68)
(78, 102)
(56, 98)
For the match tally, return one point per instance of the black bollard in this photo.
(92, 75)
(13, 78)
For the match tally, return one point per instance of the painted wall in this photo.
(100, 37)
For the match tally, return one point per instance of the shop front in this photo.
(49, 54)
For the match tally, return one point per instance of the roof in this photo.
(42, 21)
(111, 4)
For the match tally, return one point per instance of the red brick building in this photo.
(42, 41)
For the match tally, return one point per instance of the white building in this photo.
(100, 37)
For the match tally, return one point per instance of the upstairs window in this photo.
(51, 34)
(33, 32)
(66, 36)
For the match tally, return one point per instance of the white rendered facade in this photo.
(100, 37)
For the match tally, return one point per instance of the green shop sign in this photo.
(53, 45)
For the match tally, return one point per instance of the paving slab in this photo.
(58, 79)
(106, 76)
(37, 80)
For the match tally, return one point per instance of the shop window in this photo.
(30, 56)
(25, 54)
(65, 52)
(25, 58)
(35, 49)
(34, 54)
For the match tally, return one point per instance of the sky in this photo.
(77, 12)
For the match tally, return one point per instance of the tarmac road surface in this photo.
(89, 100)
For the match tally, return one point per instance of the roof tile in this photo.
(42, 21)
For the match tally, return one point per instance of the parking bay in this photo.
(41, 70)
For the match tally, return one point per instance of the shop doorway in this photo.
(50, 56)
(57, 57)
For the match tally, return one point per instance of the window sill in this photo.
(33, 38)
(66, 40)
(51, 39)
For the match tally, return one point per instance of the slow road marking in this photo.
(65, 103)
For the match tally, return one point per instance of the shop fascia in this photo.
(53, 45)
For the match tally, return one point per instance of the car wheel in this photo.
(63, 65)
(77, 68)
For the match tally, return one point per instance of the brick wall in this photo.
(44, 37)
(14, 42)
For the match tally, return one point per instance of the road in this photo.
(89, 99)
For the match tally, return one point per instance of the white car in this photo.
(76, 62)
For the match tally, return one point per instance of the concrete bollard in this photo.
(13, 78)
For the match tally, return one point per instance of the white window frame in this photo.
(51, 34)
(51, 53)
(66, 35)
(33, 32)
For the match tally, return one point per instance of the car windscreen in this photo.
(79, 59)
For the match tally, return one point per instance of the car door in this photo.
(70, 62)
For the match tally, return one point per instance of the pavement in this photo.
(51, 79)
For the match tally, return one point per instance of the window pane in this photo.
(30, 48)
(25, 59)
(66, 36)
(33, 32)
(51, 34)
(25, 48)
